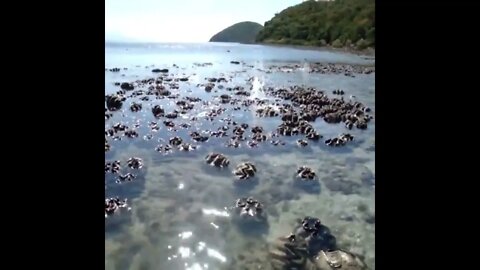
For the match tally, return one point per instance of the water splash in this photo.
(257, 89)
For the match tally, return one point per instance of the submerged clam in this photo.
(186, 147)
(233, 143)
(277, 142)
(128, 177)
(112, 205)
(131, 133)
(314, 136)
(135, 107)
(164, 149)
(306, 173)
(340, 140)
(135, 163)
(114, 102)
(175, 141)
(217, 160)
(257, 129)
(158, 111)
(245, 170)
(107, 146)
(112, 166)
(259, 137)
(250, 210)
(196, 136)
(302, 142)
(307, 180)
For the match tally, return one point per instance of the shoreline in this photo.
(369, 52)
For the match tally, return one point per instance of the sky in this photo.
(182, 20)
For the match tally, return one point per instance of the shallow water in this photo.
(180, 215)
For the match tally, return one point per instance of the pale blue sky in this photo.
(182, 20)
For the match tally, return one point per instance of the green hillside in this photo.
(337, 23)
(243, 32)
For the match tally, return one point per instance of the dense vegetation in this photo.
(243, 32)
(337, 23)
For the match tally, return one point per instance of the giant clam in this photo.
(340, 140)
(112, 166)
(135, 163)
(250, 210)
(245, 170)
(305, 173)
(112, 205)
(158, 111)
(217, 160)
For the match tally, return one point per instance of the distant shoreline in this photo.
(367, 52)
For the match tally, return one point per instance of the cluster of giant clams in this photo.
(310, 245)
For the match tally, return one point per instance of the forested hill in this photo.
(243, 32)
(339, 23)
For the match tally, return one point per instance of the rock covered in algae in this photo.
(316, 235)
(337, 259)
(311, 247)
(288, 253)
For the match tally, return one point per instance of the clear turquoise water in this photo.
(180, 217)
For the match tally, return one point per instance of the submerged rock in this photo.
(286, 253)
(316, 235)
(338, 259)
